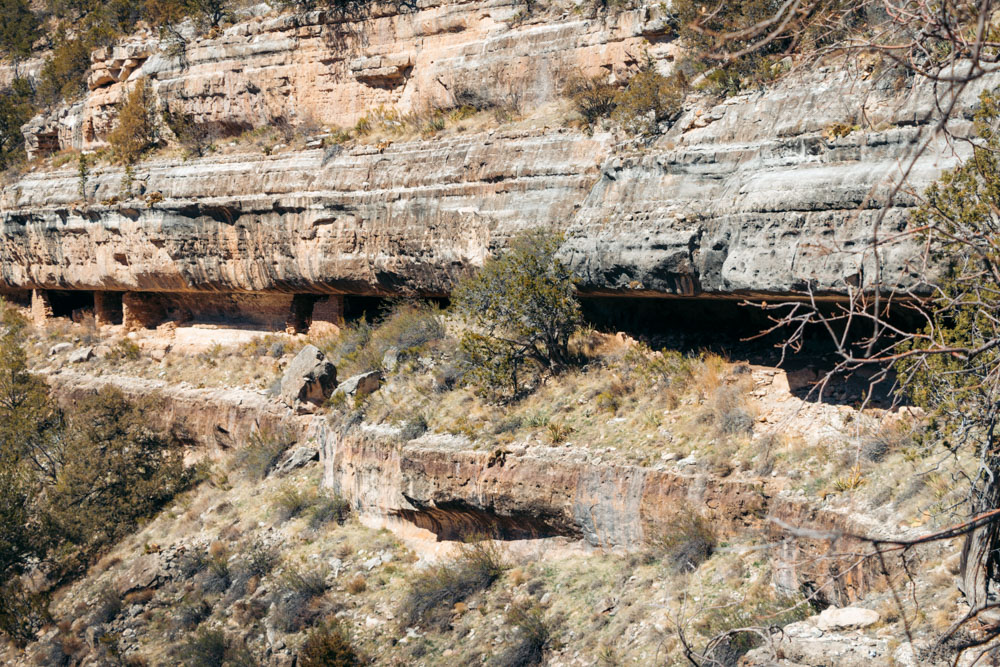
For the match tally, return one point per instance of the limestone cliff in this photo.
(750, 196)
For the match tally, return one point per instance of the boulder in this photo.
(309, 378)
(358, 386)
(59, 347)
(390, 359)
(833, 618)
(297, 458)
(145, 572)
(81, 355)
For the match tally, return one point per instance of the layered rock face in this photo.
(743, 198)
(443, 486)
(332, 68)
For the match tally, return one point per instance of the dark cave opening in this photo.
(733, 328)
(373, 308)
(17, 297)
(459, 521)
(70, 303)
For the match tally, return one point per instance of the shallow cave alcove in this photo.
(65, 303)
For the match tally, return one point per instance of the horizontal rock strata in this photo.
(444, 486)
(752, 196)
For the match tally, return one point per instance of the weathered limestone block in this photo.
(389, 70)
(843, 618)
(81, 355)
(65, 127)
(297, 458)
(309, 378)
(359, 386)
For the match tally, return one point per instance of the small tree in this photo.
(15, 110)
(64, 75)
(952, 366)
(137, 129)
(18, 28)
(521, 308)
(113, 469)
(24, 411)
(328, 646)
(593, 97)
(649, 99)
(195, 137)
(209, 12)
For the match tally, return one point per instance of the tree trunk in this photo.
(981, 551)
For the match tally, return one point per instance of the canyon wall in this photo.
(441, 487)
(334, 68)
(753, 196)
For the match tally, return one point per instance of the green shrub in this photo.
(649, 99)
(328, 646)
(294, 600)
(666, 368)
(521, 309)
(64, 74)
(70, 484)
(114, 470)
(888, 438)
(259, 558)
(686, 541)
(408, 328)
(413, 428)
(728, 413)
(309, 583)
(436, 590)
(271, 345)
(137, 129)
(758, 609)
(216, 577)
(191, 612)
(18, 28)
(22, 613)
(107, 606)
(727, 43)
(16, 109)
(292, 501)
(196, 138)
(191, 563)
(558, 432)
(125, 350)
(508, 424)
(261, 453)
(327, 509)
(206, 648)
(209, 13)
(357, 585)
(608, 401)
(214, 648)
(593, 97)
(533, 636)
